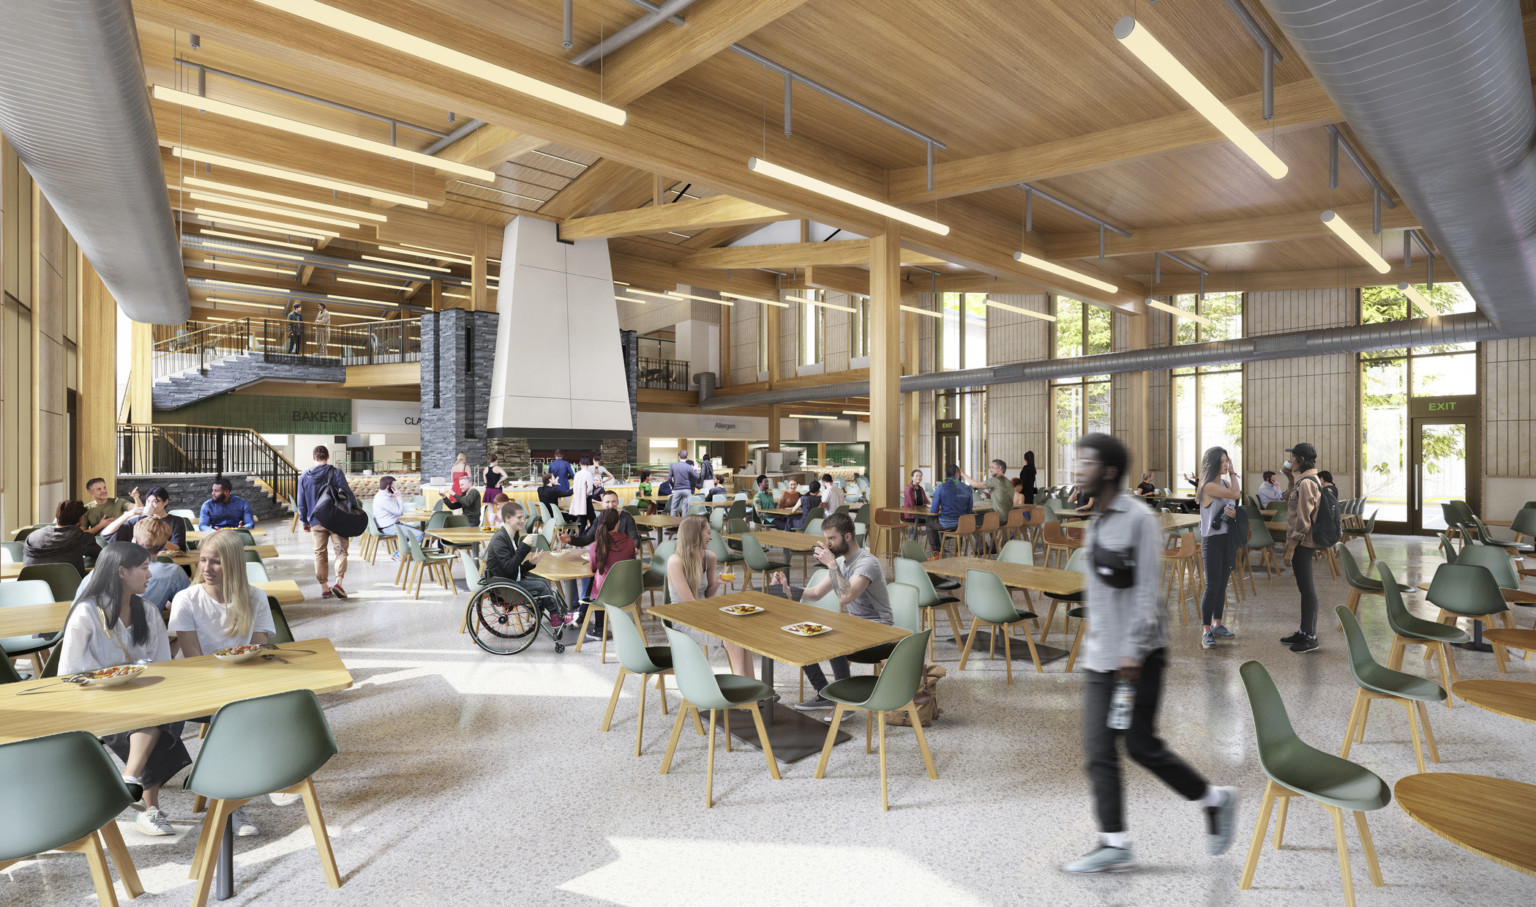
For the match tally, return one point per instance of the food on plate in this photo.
(807, 629)
(741, 609)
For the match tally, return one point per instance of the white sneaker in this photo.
(282, 799)
(243, 826)
(152, 821)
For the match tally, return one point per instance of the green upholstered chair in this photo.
(702, 688)
(70, 801)
(63, 579)
(635, 657)
(1295, 769)
(270, 744)
(990, 604)
(891, 690)
(1378, 682)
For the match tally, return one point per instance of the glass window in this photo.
(762, 338)
(975, 346)
(813, 329)
(1081, 405)
(1207, 412)
(858, 328)
(1223, 310)
(965, 348)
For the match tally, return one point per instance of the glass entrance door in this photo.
(1439, 474)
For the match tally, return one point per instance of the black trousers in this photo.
(1218, 570)
(1301, 565)
(1141, 743)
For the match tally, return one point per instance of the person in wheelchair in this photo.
(511, 559)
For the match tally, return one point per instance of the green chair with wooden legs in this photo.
(256, 572)
(905, 614)
(422, 562)
(270, 744)
(473, 582)
(702, 688)
(1072, 601)
(725, 558)
(1378, 682)
(1295, 769)
(717, 519)
(1017, 551)
(655, 578)
(755, 559)
(1524, 525)
(27, 592)
(63, 579)
(1468, 589)
(1260, 539)
(929, 599)
(12, 552)
(622, 589)
(1409, 630)
(1447, 550)
(8, 672)
(635, 657)
(989, 603)
(281, 632)
(70, 801)
(1359, 583)
(1496, 561)
(889, 691)
(912, 549)
(1364, 530)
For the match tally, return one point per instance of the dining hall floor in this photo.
(465, 778)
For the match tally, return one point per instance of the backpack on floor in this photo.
(926, 700)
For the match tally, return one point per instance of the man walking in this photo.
(1124, 658)
(223, 510)
(684, 479)
(315, 480)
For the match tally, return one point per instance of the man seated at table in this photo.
(549, 493)
(859, 581)
(832, 497)
(509, 557)
(763, 500)
(62, 543)
(388, 507)
(223, 510)
(608, 501)
(716, 493)
(951, 500)
(1269, 491)
(104, 508)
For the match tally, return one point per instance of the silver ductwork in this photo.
(1439, 92)
(1467, 327)
(73, 104)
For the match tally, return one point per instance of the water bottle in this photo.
(1120, 706)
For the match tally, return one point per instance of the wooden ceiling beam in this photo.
(490, 145)
(687, 214)
(1268, 229)
(607, 185)
(1321, 279)
(649, 274)
(842, 280)
(1298, 105)
(282, 283)
(664, 53)
(782, 255)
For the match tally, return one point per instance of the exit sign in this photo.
(1464, 407)
(1436, 407)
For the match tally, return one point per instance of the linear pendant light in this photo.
(309, 130)
(917, 311)
(1334, 222)
(1423, 305)
(855, 412)
(676, 295)
(248, 265)
(1151, 52)
(271, 226)
(632, 299)
(293, 176)
(370, 283)
(205, 245)
(253, 239)
(200, 183)
(406, 264)
(810, 416)
(820, 187)
(1043, 316)
(395, 39)
(436, 256)
(274, 209)
(773, 302)
(219, 300)
(1178, 312)
(824, 305)
(1068, 273)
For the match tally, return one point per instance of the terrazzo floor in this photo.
(465, 778)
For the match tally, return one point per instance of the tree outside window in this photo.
(957, 347)
(1208, 400)
(1078, 405)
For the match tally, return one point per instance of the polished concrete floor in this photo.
(465, 778)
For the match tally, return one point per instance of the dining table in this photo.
(469, 536)
(1510, 698)
(286, 591)
(794, 735)
(169, 691)
(1494, 818)
(1168, 522)
(561, 567)
(198, 535)
(26, 620)
(1026, 577)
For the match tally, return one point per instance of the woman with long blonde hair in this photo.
(692, 574)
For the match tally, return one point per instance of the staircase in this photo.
(193, 455)
(237, 369)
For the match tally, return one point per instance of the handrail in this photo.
(169, 448)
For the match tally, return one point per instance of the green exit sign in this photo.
(1442, 407)
(948, 426)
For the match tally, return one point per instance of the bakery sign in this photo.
(712, 426)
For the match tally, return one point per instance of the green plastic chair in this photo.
(8, 672)
(280, 630)
(889, 691)
(635, 657)
(812, 526)
(905, 614)
(423, 561)
(912, 549)
(27, 592)
(655, 579)
(256, 572)
(724, 556)
(1073, 601)
(255, 747)
(374, 538)
(1410, 630)
(1524, 524)
(1296, 769)
(473, 582)
(1378, 682)
(756, 560)
(828, 602)
(63, 579)
(1447, 550)
(1465, 589)
(1364, 531)
(1017, 551)
(72, 792)
(1359, 583)
(702, 688)
(622, 589)
(911, 573)
(989, 603)
(1260, 539)
(12, 552)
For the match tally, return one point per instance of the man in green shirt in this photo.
(999, 489)
(763, 500)
(104, 509)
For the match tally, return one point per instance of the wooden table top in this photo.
(1494, 818)
(778, 538)
(167, 691)
(779, 511)
(286, 591)
(189, 558)
(560, 566)
(24, 620)
(1170, 522)
(415, 516)
(1017, 576)
(919, 512)
(726, 502)
(10, 571)
(198, 535)
(762, 634)
(1510, 698)
(462, 535)
(1515, 639)
(658, 520)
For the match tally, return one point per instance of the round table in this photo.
(1511, 698)
(1492, 817)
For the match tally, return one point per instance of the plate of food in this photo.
(806, 629)
(111, 677)
(742, 610)
(237, 653)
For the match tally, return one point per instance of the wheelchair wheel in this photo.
(502, 620)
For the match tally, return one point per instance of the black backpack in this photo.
(1327, 523)
(337, 509)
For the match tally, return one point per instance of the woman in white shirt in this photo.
(223, 610)
(110, 624)
(581, 494)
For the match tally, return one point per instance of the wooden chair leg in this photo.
(1429, 732)
(112, 838)
(1343, 846)
(970, 638)
(218, 811)
(640, 721)
(1007, 652)
(1413, 732)
(1367, 845)
(1259, 828)
(1349, 729)
(709, 773)
(677, 731)
(306, 789)
(826, 748)
(613, 701)
(762, 736)
(101, 876)
(1285, 804)
(885, 802)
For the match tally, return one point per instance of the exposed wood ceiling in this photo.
(1018, 90)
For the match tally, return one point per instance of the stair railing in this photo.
(163, 448)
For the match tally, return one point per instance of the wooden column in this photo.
(774, 367)
(885, 367)
(910, 363)
(478, 300)
(1135, 433)
(141, 391)
(96, 438)
(773, 427)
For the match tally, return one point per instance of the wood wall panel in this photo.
(746, 321)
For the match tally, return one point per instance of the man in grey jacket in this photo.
(1126, 652)
(684, 480)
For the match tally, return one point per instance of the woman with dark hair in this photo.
(1219, 494)
(610, 546)
(808, 502)
(1027, 473)
(152, 526)
(110, 625)
(494, 476)
(64, 542)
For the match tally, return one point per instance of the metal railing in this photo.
(663, 374)
(380, 343)
(197, 344)
(171, 449)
